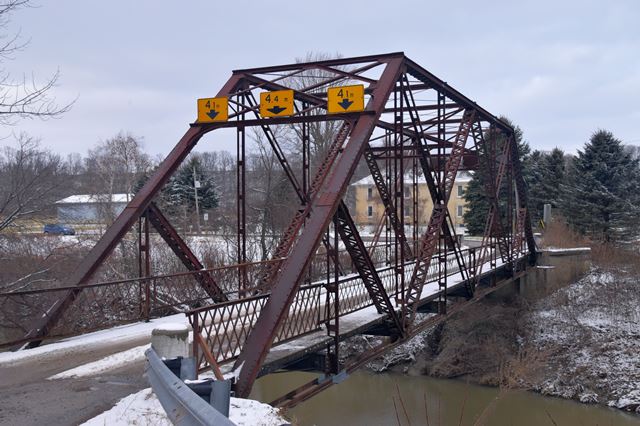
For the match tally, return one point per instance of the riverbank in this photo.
(580, 341)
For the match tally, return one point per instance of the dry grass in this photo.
(521, 370)
(611, 257)
(559, 234)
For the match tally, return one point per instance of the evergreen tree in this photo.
(475, 215)
(179, 190)
(554, 176)
(606, 181)
(477, 201)
(545, 181)
(536, 194)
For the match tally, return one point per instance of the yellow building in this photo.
(369, 207)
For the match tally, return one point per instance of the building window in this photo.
(459, 212)
(369, 193)
(460, 191)
(370, 211)
(407, 191)
(407, 211)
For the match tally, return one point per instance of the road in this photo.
(28, 398)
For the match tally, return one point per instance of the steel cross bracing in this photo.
(302, 192)
(434, 185)
(389, 206)
(493, 183)
(425, 123)
(519, 236)
(289, 237)
(493, 226)
(432, 235)
(521, 193)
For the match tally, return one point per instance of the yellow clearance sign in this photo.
(213, 109)
(345, 99)
(276, 104)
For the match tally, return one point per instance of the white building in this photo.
(90, 208)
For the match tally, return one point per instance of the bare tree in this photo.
(116, 165)
(272, 202)
(22, 97)
(321, 133)
(30, 180)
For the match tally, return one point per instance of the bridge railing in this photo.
(106, 304)
(224, 327)
(110, 303)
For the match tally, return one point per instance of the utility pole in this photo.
(196, 185)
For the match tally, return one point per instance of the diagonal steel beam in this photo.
(364, 265)
(389, 206)
(286, 167)
(121, 225)
(296, 224)
(184, 253)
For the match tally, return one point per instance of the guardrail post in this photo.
(221, 396)
(171, 340)
(195, 324)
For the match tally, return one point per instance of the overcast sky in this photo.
(559, 69)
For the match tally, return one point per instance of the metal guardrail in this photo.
(182, 405)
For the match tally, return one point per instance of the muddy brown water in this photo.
(380, 399)
(366, 398)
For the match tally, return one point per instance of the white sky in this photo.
(559, 69)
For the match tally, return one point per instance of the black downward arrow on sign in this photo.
(345, 104)
(276, 109)
(212, 114)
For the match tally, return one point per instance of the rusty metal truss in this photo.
(413, 124)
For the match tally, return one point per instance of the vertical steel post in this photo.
(415, 194)
(387, 222)
(336, 306)
(147, 268)
(241, 204)
(400, 248)
(144, 266)
(306, 151)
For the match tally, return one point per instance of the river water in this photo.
(368, 399)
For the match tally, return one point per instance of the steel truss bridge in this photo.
(254, 314)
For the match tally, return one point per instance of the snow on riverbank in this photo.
(591, 331)
(143, 408)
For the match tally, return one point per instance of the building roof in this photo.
(95, 198)
(461, 177)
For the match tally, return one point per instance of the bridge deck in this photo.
(354, 323)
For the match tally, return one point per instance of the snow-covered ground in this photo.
(105, 364)
(143, 408)
(591, 333)
(98, 339)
